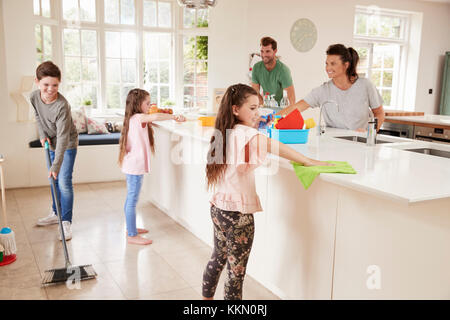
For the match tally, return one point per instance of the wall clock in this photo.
(303, 35)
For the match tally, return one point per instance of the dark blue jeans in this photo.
(64, 186)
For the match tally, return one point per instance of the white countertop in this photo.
(384, 170)
(428, 118)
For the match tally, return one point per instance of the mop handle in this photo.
(5, 220)
(58, 209)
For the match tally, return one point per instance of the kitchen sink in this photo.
(361, 139)
(433, 152)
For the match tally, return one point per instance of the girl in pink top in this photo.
(136, 142)
(236, 149)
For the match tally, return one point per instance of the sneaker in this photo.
(67, 227)
(52, 218)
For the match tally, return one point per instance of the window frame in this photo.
(399, 70)
(192, 32)
(177, 31)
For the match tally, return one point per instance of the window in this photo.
(79, 10)
(195, 58)
(43, 35)
(107, 47)
(80, 67)
(380, 40)
(42, 8)
(157, 66)
(43, 30)
(120, 12)
(157, 14)
(121, 66)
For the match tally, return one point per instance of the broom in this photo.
(69, 273)
(7, 240)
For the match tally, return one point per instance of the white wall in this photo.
(233, 39)
(17, 58)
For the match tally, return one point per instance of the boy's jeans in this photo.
(134, 183)
(64, 186)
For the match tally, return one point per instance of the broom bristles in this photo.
(8, 241)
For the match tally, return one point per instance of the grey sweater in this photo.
(54, 121)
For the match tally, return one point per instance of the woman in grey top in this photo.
(346, 98)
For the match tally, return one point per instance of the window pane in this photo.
(90, 69)
(201, 97)
(151, 72)
(164, 14)
(387, 79)
(89, 43)
(72, 69)
(128, 42)
(46, 8)
(73, 94)
(189, 47)
(125, 90)
(113, 70)
(202, 18)
(363, 54)
(112, 43)
(149, 13)
(71, 42)
(188, 17)
(386, 94)
(87, 10)
(188, 74)
(47, 41)
(90, 94)
(389, 59)
(150, 46)
(374, 22)
(377, 58)
(129, 71)
(70, 9)
(188, 99)
(202, 47)
(112, 11)
(202, 73)
(361, 24)
(165, 44)
(362, 73)
(164, 93)
(154, 94)
(36, 7)
(112, 96)
(38, 36)
(164, 72)
(127, 11)
(376, 78)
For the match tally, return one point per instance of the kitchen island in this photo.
(383, 233)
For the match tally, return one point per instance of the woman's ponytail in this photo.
(354, 59)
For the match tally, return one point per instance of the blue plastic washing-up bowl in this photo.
(290, 136)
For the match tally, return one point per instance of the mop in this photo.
(69, 274)
(7, 240)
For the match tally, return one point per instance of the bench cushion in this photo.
(88, 139)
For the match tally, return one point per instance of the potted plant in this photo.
(87, 104)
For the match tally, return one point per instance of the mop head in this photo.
(8, 241)
(72, 274)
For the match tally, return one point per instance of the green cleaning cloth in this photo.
(306, 175)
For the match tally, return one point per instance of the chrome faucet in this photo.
(320, 128)
(372, 129)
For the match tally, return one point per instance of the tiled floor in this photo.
(171, 268)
